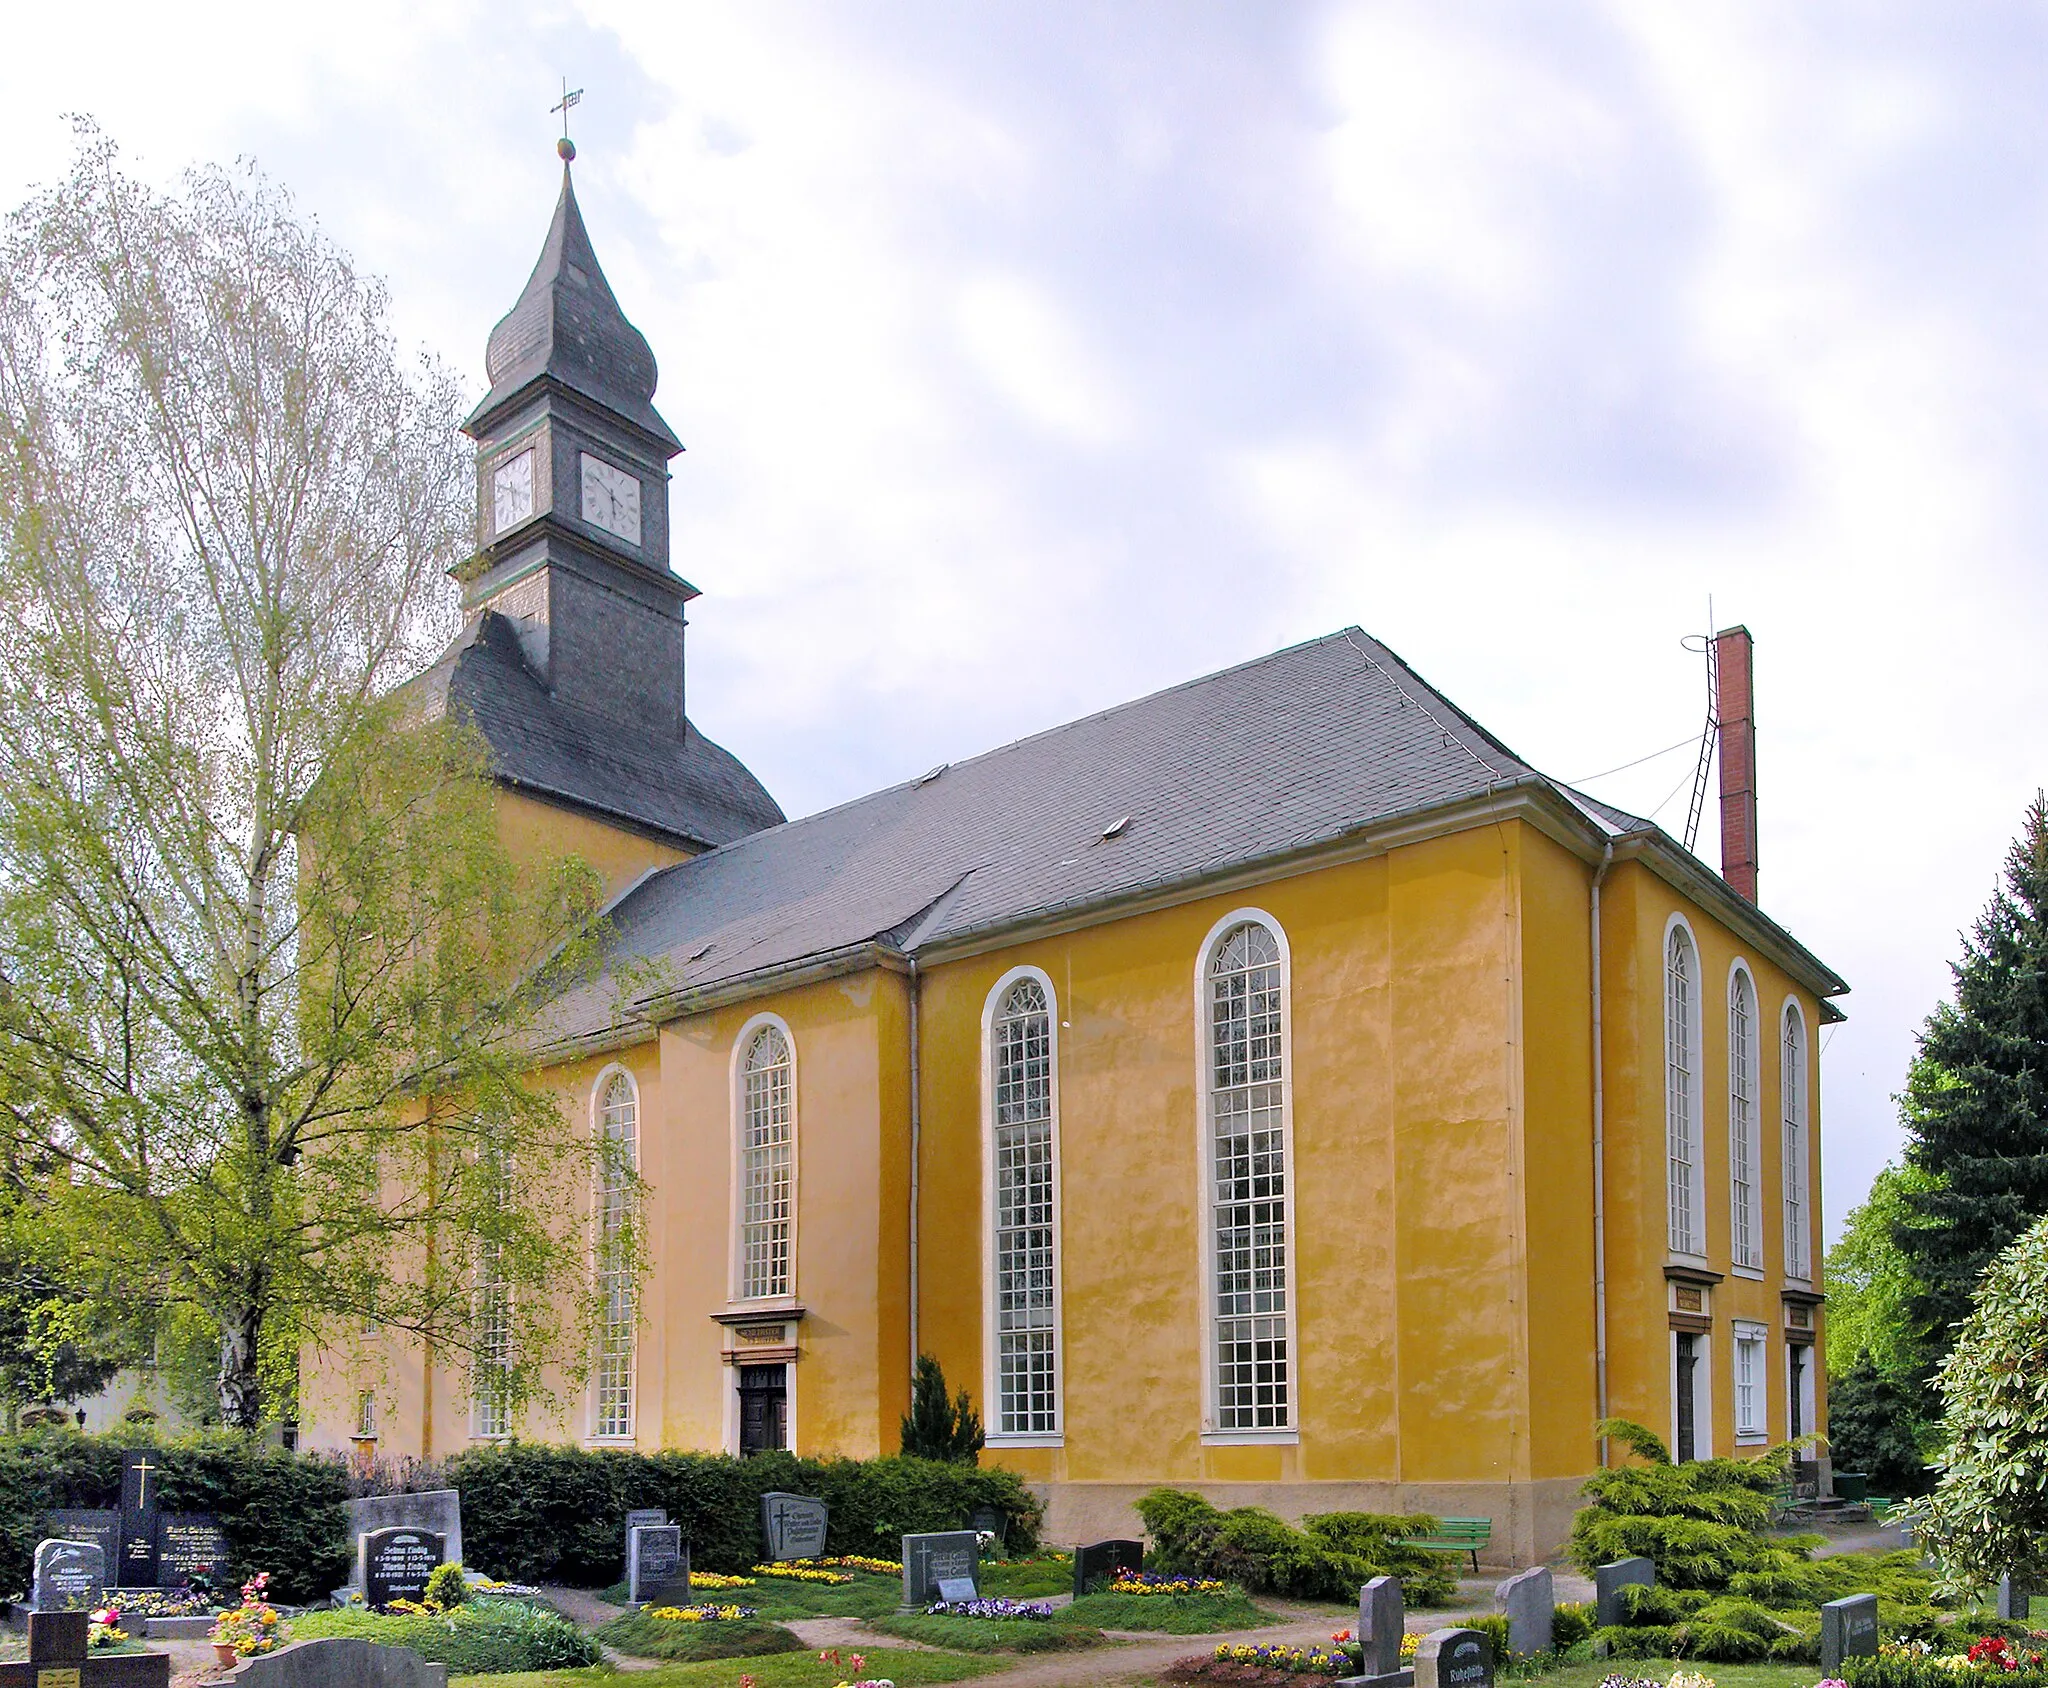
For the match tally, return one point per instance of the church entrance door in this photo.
(764, 1408)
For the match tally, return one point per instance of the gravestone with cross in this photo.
(57, 1658)
(135, 1562)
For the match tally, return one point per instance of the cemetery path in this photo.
(580, 1606)
(848, 1633)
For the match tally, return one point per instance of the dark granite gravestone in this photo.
(929, 1559)
(190, 1544)
(395, 1564)
(1382, 1617)
(141, 1483)
(1454, 1658)
(1848, 1630)
(990, 1520)
(1608, 1582)
(1099, 1560)
(1530, 1606)
(2015, 1600)
(438, 1510)
(644, 1516)
(958, 1590)
(657, 1566)
(100, 1525)
(339, 1662)
(793, 1526)
(57, 1659)
(70, 1576)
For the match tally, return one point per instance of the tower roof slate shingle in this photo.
(682, 785)
(567, 326)
(1276, 756)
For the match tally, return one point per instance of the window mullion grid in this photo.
(1026, 1311)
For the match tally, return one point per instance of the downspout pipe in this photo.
(916, 1162)
(1599, 1153)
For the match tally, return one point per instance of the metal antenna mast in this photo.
(1709, 735)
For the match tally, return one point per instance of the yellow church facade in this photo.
(1273, 1087)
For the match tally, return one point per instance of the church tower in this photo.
(570, 660)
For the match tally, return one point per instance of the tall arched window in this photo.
(1746, 1243)
(618, 1125)
(1023, 1241)
(490, 1395)
(767, 1164)
(1247, 1153)
(1798, 1242)
(1681, 1093)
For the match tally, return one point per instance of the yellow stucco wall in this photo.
(532, 830)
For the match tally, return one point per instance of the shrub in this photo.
(935, 1427)
(445, 1587)
(1570, 1623)
(481, 1637)
(1325, 1560)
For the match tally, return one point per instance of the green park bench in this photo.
(1456, 1535)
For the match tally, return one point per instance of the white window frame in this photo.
(1795, 1107)
(1702, 1392)
(1804, 1385)
(598, 1430)
(1212, 1433)
(1745, 1135)
(1750, 1371)
(737, 1264)
(992, 1391)
(490, 1413)
(1687, 1241)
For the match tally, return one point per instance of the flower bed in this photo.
(716, 1583)
(990, 1626)
(791, 1570)
(482, 1636)
(254, 1626)
(2020, 1662)
(999, 1606)
(1158, 1583)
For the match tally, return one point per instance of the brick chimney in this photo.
(1735, 704)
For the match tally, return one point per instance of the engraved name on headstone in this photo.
(190, 1544)
(1454, 1658)
(395, 1564)
(937, 1555)
(100, 1525)
(657, 1566)
(1848, 1630)
(70, 1576)
(793, 1525)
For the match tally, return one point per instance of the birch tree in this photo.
(267, 976)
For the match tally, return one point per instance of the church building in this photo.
(1274, 1086)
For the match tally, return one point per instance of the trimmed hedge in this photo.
(538, 1513)
(1326, 1559)
(281, 1512)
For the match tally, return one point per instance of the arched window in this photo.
(1681, 1092)
(618, 1125)
(1247, 1155)
(1023, 1230)
(1746, 1243)
(490, 1394)
(767, 1164)
(1798, 1242)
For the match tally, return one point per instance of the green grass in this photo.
(776, 1670)
(989, 1635)
(1168, 1614)
(867, 1596)
(484, 1636)
(1591, 1675)
(669, 1638)
(1028, 1579)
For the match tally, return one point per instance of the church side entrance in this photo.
(764, 1408)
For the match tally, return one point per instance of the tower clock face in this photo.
(512, 491)
(611, 499)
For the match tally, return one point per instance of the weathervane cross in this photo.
(568, 99)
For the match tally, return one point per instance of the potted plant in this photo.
(253, 1627)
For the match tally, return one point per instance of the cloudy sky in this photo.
(1032, 357)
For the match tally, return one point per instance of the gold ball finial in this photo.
(566, 147)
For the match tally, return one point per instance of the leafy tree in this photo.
(1989, 1514)
(1876, 1425)
(1880, 1412)
(1976, 1100)
(50, 1348)
(262, 945)
(938, 1428)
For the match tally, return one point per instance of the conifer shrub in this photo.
(1327, 1559)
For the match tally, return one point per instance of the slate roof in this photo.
(684, 786)
(1287, 752)
(567, 326)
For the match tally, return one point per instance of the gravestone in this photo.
(958, 1591)
(190, 1544)
(395, 1564)
(70, 1576)
(1454, 1658)
(438, 1510)
(657, 1566)
(990, 1520)
(1608, 1582)
(793, 1526)
(643, 1516)
(941, 1555)
(1848, 1630)
(135, 1564)
(1100, 1560)
(339, 1662)
(57, 1659)
(100, 1525)
(2015, 1600)
(1382, 1617)
(1530, 1605)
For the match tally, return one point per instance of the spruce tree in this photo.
(1976, 1101)
(936, 1427)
